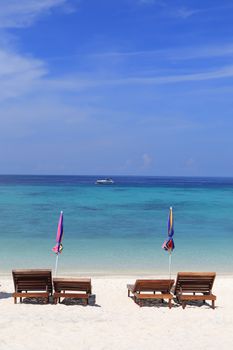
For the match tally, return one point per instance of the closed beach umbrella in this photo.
(58, 247)
(168, 244)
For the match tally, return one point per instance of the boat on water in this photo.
(107, 181)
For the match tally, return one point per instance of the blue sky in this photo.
(136, 87)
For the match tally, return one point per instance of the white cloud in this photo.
(213, 51)
(20, 13)
(182, 12)
(210, 51)
(18, 73)
(22, 74)
(12, 64)
(80, 83)
(185, 12)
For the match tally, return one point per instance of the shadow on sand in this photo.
(154, 303)
(5, 295)
(74, 301)
(66, 301)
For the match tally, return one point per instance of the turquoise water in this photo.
(116, 229)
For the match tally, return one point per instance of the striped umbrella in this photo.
(58, 247)
(168, 244)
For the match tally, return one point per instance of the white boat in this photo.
(104, 182)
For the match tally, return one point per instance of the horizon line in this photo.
(122, 175)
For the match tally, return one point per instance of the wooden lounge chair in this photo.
(79, 288)
(151, 289)
(32, 284)
(194, 286)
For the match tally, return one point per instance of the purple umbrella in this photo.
(58, 247)
(169, 245)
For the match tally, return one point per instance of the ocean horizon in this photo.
(116, 229)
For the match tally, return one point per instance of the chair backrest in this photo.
(162, 285)
(32, 280)
(191, 282)
(73, 284)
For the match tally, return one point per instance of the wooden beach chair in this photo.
(191, 286)
(79, 288)
(151, 289)
(35, 283)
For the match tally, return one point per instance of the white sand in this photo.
(116, 322)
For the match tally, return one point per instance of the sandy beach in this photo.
(114, 321)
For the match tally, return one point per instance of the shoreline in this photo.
(105, 275)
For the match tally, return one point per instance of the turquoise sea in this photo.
(116, 229)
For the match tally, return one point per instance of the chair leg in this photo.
(15, 300)
(128, 293)
(213, 304)
(170, 304)
(183, 304)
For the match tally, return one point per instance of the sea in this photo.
(116, 229)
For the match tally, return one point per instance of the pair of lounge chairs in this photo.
(39, 284)
(190, 286)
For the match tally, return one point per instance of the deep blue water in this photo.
(118, 228)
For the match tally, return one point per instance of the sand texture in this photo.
(114, 321)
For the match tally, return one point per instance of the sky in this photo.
(116, 87)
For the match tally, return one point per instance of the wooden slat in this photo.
(35, 281)
(151, 289)
(63, 287)
(21, 295)
(194, 282)
(71, 295)
(30, 295)
(153, 285)
(153, 296)
(198, 297)
(188, 284)
(72, 284)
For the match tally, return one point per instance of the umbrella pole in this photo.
(56, 265)
(170, 261)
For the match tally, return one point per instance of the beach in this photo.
(114, 235)
(116, 165)
(114, 321)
